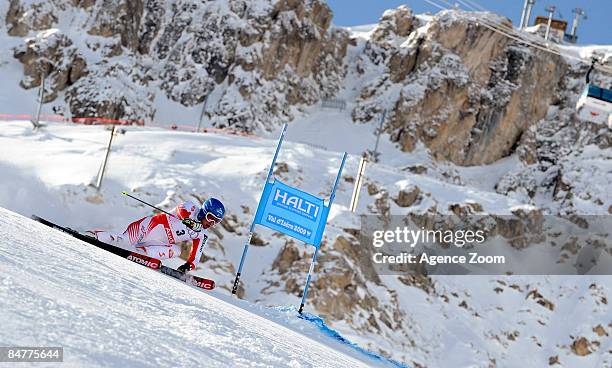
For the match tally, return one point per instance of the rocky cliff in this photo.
(465, 91)
(111, 58)
(468, 93)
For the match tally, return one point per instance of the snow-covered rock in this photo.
(245, 62)
(467, 92)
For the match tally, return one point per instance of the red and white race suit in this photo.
(157, 236)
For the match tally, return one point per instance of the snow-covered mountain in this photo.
(475, 124)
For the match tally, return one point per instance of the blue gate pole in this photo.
(305, 294)
(251, 230)
(314, 256)
(333, 192)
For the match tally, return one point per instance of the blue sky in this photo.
(597, 29)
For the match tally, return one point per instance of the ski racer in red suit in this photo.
(157, 236)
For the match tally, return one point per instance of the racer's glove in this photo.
(193, 225)
(186, 267)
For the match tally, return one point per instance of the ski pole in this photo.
(148, 204)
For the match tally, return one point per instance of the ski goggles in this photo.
(208, 216)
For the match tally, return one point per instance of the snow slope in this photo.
(106, 311)
(47, 173)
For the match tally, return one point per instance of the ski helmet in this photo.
(214, 207)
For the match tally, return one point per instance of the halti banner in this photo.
(293, 212)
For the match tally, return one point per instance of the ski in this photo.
(141, 259)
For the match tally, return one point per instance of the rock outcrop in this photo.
(53, 56)
(340, 291)
(258, 59)
(468, 93)
(465, 91)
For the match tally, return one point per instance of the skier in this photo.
(156, 236)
